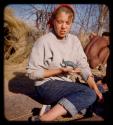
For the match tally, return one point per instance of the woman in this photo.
(53, 86)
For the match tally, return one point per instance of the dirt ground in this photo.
(19, 95)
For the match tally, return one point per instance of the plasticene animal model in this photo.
(76, 77)
(68, 63)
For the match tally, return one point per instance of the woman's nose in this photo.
(63, 25)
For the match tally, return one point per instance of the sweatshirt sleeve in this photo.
(35, 68)
(82, 61)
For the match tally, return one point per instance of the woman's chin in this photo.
(62, 36)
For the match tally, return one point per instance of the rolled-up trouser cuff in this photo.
(68, 106)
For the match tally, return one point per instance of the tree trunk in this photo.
(102, 18)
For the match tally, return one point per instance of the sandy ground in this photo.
(19, 95)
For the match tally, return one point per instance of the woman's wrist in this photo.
(61, 70)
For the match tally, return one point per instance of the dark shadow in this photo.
(35, 112)
(100, 108)
(22, 84)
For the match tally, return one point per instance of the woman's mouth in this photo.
(62, 32)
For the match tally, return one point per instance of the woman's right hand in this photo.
(70, 70)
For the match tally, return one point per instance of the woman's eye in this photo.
(68, 23)
(59, 21)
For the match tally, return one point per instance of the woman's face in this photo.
(62, 24)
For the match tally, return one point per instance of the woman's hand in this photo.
(70, 70)
(99, 94)
(93, 85)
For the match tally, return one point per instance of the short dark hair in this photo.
(105, 34)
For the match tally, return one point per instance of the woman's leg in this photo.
(56, 111)
(68, 97)
(72, 104)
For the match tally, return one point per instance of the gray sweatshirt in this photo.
(48, 52)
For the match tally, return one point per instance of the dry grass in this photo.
(17, 34)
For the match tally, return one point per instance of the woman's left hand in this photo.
(99, 94)
(93, 85)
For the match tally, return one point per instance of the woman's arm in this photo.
(62, 70)
(52, 72)
(93, 85)
(86, 71)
